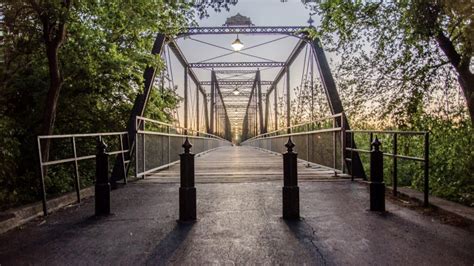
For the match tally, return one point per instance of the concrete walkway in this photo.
(238, 223)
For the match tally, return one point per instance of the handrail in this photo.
(324, 130)
(123, 136)
(268, 134)
(168, 134)
(389, 132)
(348, 147)
(186, 130)
(266, 139)
(81, 135)
(394, 154)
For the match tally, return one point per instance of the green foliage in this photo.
(451, 159)
(390, 50)
(106, 49)
(397, 71)
(451, 167)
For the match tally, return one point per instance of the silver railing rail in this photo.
(159, 144)
(319, 141)
(393, 152)
(73, 156)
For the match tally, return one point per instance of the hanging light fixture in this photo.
(236, 91)
(237, 44)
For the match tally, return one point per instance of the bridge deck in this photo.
(242, 164)
(238, 223)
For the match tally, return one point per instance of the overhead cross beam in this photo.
(287, 30)
(236, 82)
(241, 94)
(235, 71)
(236, 64)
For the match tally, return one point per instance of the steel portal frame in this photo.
(296, 31)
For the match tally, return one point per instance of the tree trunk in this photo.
(466, 80)
(465, 77)
(51, 102)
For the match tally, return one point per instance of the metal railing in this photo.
(73, 156)
(159, 144)
(395, 154)
(319, 141)
(312, 147)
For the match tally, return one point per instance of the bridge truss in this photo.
(231, 100)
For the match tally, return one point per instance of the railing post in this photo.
(102, 185)
(187, 191)
(43, 186)
(144, 149)
(291, 194)
(334, 152)
(352, 155)
(137, 171)
(426, 156)
(77, 184)
(343, 143)
(395, 165)
(377, 186)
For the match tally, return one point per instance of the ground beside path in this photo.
(239, 222)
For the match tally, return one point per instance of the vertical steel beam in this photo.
(256, 115)
(206, 111)
(275, 98)
(312, 84)
(288, 99)
(247, 128)
(197, 107)
(260, 103)
(137, 110)
(225, 127)
(267, 111)
(213, 85)
(335, 103)
(186, 100)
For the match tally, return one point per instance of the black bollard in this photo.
(291, 191)
(102, 185)
(187, 191)
(377, 186)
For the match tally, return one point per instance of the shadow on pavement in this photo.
(169, 244)
(307, 238)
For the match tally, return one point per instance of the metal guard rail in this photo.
(76, 159)
(286, 131)
(168, 133)
(349, 135)
(395, 155)
(304, 133)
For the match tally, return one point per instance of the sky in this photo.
(261, 13)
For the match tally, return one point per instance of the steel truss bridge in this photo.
(243, 102)
(246, 108)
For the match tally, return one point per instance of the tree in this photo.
(404, 49)
(53, 17)
(101, 60)
(52, 20)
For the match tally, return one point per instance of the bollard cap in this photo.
(289, 145)
(101, 146)
(376, 144)
(187, 145)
